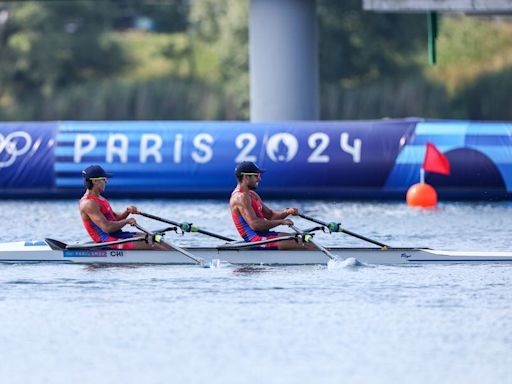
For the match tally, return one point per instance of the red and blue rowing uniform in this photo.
(244, 229)
(96, 232)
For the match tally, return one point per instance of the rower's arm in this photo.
(126, 212)
(92, 210)
(278, 215)
(243, 204)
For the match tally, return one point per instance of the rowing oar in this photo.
(186, 227)
(308, 238)
(336, 227)
(158, 238)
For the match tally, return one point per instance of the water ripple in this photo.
(296, 324)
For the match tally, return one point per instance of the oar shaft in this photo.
(364, 238)
(208, 233)
(319, 247)
(197, 259)
(313, 219)
(150, 216)
(175, 223)
(140, 228)
(350, 233)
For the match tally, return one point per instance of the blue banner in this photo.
(26, 157)
(355, 159)
(313, 159)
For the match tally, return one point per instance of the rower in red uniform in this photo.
(100, 221)
(252, 218)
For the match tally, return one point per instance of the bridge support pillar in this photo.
(283, 60)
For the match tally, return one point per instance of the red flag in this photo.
(435, 161)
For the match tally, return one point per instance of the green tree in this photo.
(168, 15)
(224, 24)
(45, 46)
(358, 46)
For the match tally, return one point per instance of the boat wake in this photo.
(217, 264)
(348, 263)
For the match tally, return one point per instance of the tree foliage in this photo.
(167, 15)
(357, 47)
(56, 56)
(224, 24)
(47, 46)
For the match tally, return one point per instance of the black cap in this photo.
(94, 171)
(247, 167)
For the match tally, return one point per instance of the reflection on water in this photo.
(103, 266)
(250, 270)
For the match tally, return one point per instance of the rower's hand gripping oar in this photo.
(158, 238)
(186, 227)
(336, 227)
(308, 238)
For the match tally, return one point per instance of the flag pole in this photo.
(422, 175)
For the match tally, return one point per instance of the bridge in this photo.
(283, 49)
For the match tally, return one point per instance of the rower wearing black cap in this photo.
(100, 221)
(252, 218)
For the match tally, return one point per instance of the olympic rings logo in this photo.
(15, 144)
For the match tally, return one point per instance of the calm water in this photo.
(160, 324)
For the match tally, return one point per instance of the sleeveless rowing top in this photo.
(93, 230)
(241, 225)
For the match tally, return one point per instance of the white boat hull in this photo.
(32, 252)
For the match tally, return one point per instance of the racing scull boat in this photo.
(52, 251)
(236, 252)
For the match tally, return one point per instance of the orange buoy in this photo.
(421, 195)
